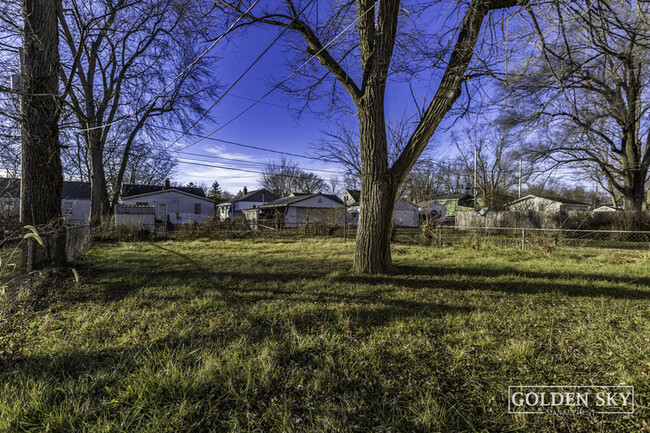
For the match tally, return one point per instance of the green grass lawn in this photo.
(277, 335)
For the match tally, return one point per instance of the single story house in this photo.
(456, 203)
(405, 212)
(431, 210)
(540, 203)
(75, 201)
(173, 204)
(297, 209)
(249, 200)
(607, 209)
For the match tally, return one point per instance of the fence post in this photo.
(60, 253)
(440, 236)
(29, 255)
(523, 239)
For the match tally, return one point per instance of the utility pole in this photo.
(519, 178)
(474, 198)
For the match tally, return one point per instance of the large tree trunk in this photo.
(99, 204)
(634, 193)
(42, 178)
(372, 254)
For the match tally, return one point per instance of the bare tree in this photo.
(586, 87)
(132, 65)
(361, 67)
(498, 162)
(284, 177)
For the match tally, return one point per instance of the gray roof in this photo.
(259, 195)
(354, 193)
(76, 190)
(72, 190)
(547, 197)
(129, 190)
(295, 198)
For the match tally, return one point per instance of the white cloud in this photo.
(229, 180)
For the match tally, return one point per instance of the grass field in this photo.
(276, 335)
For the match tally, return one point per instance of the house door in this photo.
(162, 211)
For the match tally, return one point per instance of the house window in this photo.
(67, 208)
(142, 203)
(197, 208)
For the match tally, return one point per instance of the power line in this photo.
(153, 100)
(252, 162)
(249, 146)
(288, 76)
(246, 71)
(212, 165)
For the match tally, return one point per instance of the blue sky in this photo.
(269, 124)
(272, 123)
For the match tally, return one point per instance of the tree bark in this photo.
(99, 204)
(42, 177)
(634, 190)
(372, 253)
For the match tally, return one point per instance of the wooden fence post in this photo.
(523, 239)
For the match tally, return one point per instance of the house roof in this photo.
(163, 191)
(404, 201)
(76, 190)
(296, 198)
(259, 195)
(72, 190)
(557, 199)
(129, 190)
(354, 193)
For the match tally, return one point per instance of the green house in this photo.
(456, 203)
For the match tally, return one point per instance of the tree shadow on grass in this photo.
(419, 277)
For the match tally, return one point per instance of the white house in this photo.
(249, 200)
(546, 204)
(431, 210)
(176, 205)
(405, 213)
(298, 209)
(75, 200)
(607, 209)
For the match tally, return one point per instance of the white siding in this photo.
(406, 213)
(541, 204)
(179, 207)
(318, 208)
(75, 210)
(227, 210)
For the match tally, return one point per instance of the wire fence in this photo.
(524, 238)
(24, 250)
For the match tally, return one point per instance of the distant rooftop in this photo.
(72, 190)
(129, 190)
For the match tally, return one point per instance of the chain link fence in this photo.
(524, 238)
